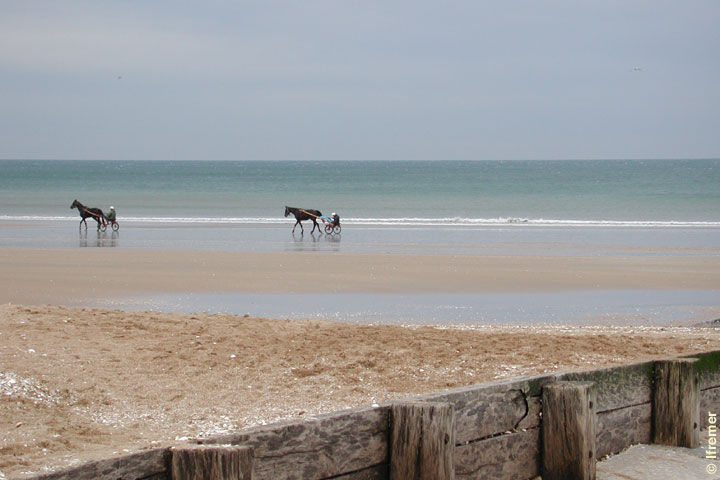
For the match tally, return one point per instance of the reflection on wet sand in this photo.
(314, 242)
(102, 239)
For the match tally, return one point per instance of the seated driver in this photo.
(335, 219)
(111, 215)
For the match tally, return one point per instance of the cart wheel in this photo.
(337, 229)
(103, 228)
(328, 229)
(115, 227)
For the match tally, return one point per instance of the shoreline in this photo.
(509, 240)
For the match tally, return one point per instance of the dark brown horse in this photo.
(302, 214)
(86, 212)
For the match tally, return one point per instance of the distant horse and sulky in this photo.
(332, 223)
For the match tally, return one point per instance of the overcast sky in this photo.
(338, 79)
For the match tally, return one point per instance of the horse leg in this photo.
(315, 224)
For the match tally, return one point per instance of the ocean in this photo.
(469, 207)
(441, 193)
(583, 208)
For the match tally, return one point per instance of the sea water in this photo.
(397, 193)
(475, 207)
(613, 207)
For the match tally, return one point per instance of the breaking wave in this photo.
(387, 222)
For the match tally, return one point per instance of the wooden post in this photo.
(676, 403)
(422, 442)
(569, 423)
(211, 462)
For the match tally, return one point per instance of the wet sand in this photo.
(61, 276)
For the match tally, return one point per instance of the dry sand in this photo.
(78, 384)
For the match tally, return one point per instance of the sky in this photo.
(359, 80)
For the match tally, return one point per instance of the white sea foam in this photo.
(389, 222)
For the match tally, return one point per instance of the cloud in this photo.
(87, 46)
(418, 77)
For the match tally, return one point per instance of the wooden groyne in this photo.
(555, 425)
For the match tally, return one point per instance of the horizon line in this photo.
(566, 159)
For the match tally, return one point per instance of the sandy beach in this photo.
(59, 276)
(83, 383)
(78, 384)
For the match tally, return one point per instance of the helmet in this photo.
(112, 208)
(333, 214)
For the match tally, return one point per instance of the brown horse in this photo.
(302, 214)
(86, 212)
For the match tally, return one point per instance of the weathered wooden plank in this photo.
(422, 441)
(568, 431)
(315, 448)
(378, 472)
(487, 409)
(676, 403)
(709, 403)
(157, 476)
(618, 429)
(211, 462)
(708, 368)
(135, 465)
(617, 387)
(512, 456)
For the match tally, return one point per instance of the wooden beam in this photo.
(217, 462)
(422, 441)
(676, 403)
(621, 428)
(324, 446)
(509, 456)
(569, 424)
